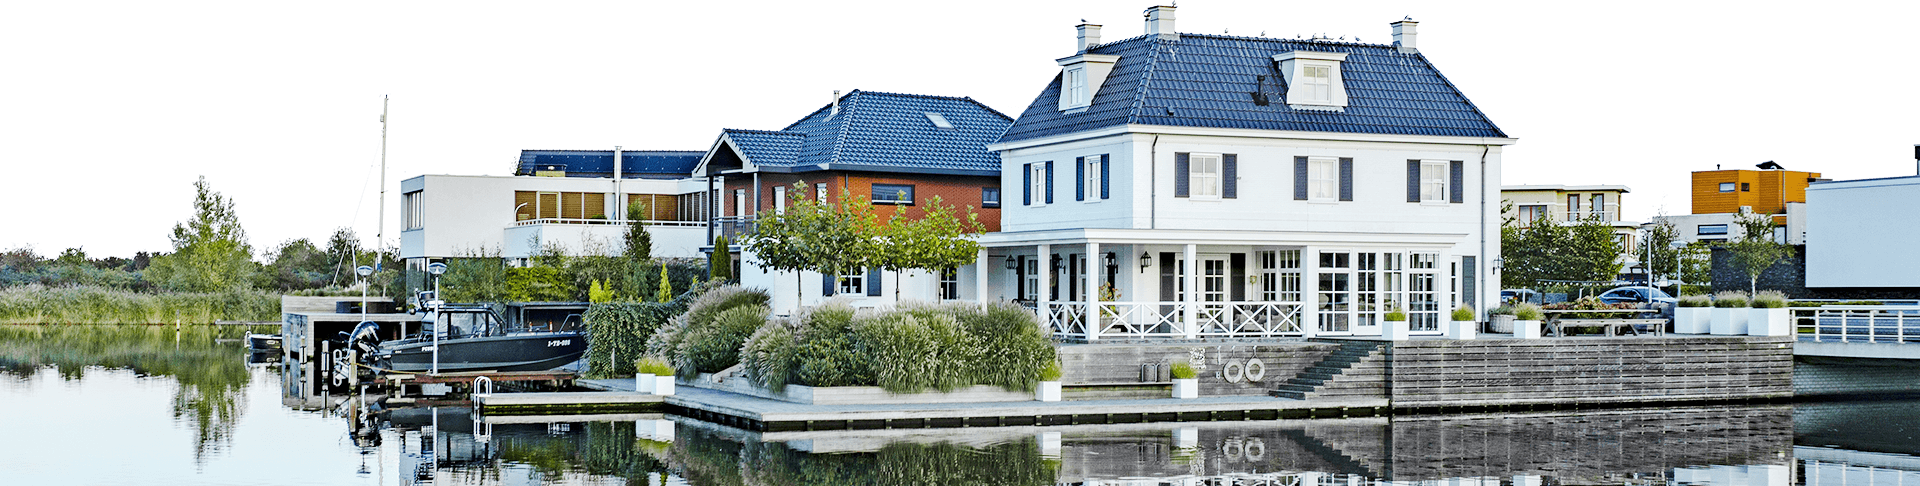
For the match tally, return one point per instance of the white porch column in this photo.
(1191, 311)
(1043, 298)
(980, 277)
(1309, 291)
(1093, 268)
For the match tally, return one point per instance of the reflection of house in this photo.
(567, 198)
(1240, 186)
(1572, 204)
(897, 150)
(1720, 197)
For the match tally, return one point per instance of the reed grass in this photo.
(36, 304)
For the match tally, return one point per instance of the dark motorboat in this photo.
(472, 337)
(263, 342)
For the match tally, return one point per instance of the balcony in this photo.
(733, 227)
(581, 236)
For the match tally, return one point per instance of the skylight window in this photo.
(939, 121)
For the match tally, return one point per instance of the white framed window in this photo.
(820, 192)
(1323, 179)
(739, 202)
(1433, 181)
(853, 283)
(412, 211)
(1423, 293)
(1316, 83)
(1033, 278)
(1335, 297)
(1037, 183)
(950, 284)
(1093, 180)
(779, 199)
(1203, 172)
(1076, 88)
(1726, 187)
(989, 197)
(893, 194)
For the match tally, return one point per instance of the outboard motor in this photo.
(365, 338)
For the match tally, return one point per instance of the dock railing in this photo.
(1167, 320)
(1858, 324)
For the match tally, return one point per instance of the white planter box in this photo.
(1769, 322)
(1462, 329)
(1047, 391)
(662, 385)
(1395, 330)
(1729, 321)
(1186, 388)
(1692, 320)
(850, 395)
(643, 382)
(1526, 329)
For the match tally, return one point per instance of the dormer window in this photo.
(1077, 87)
(1313, 80)
(1080, 77)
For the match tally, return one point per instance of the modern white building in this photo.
(557, 199)
(1860, 234)
(1246, 187)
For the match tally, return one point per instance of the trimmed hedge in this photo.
(619, 332)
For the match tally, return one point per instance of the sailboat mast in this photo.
(380, 233)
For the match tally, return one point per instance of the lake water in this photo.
(149, 405)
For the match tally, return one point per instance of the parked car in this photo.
(1620, 295)
(1509, 296)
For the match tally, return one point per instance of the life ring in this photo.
(1256, 449)
(1233, 372)
(1231, 449)
(1255, 370)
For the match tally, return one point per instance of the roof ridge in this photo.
(1146, 80)
(1456, 91)
(844, 119)
(1283, 39)
(770, 132)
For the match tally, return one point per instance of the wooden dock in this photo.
(566, 402)
(558, 378)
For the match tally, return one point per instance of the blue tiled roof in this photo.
(878, 131)
(634, 164)
(1205, 80)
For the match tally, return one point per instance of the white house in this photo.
(1857, 236)
(567, 198)
(1246, 186)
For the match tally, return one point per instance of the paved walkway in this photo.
(768, 410)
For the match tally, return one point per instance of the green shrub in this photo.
(1505, 310)
(917, 347)
(1730, 299)
(1769, 299)
(825, 355)
(716, 346)
(1463, 313)
(620, 332)
(1182, 371)
(653, 366)
(1527, 312)
(35, 304)
(770, 357)
(1695, 300)
(1013, 349)
(1394, 314)
(1861, 302)
(902, 349)
(538, 284)
(1051, 372)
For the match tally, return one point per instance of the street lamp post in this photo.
(1676, 245)
(433, 309)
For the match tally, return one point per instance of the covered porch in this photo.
(1095, 284)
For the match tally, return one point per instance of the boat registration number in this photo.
(559, 343)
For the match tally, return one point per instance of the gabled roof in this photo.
(1203, 80)
(634, 164)
(875, 131)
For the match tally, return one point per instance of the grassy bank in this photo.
(35, 304)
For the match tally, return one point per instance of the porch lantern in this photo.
(1146, 260)
(1055, 263)
(1112, 264)
(1012, 264)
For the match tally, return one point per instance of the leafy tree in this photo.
(599, 294)
(479, 276)
(298, 264)
(1756, 250)
(1546, 250)
(939, 240)
(720, 263)
(666, 287)
(210, 251)
(639, 242)
(826, 237)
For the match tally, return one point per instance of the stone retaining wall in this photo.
(1505, 372)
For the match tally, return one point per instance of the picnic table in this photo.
(1630, 318)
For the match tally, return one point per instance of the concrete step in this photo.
(1296, 387)
(1308, 381)
(1296, 395)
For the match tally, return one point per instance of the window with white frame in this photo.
(1323, 179)
(1037, 183)
(893, 194)
(1317, 84)
(853, 283)
(1726, 187)
(1091, 187)
(1433, 181)
(1280, 279)
(779, 199)
(1336, 291)
(1033, 278)
(1423, 293)
(1203, 171)
(820, 192)
(739, 202)
(950, 284)
(1076, 87)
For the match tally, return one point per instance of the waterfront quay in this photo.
(1313, 378)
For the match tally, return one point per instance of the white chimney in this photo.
(1089, 36)
(1160, 22)
(836, 104)
(1405, 35)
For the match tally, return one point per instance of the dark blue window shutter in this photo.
(1079, 178)
(1299, 178)
(1049, 182)
(827, 282)
(1229, 177)
(1413, 180)
(1105, 171)
(873, 281)
(1346, 178)
(1180, 176)
(1458, 185)
(1026, 184)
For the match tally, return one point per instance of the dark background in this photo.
(281, 108)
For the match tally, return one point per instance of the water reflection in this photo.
(211, 382)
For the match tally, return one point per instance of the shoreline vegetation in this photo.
(90, 305)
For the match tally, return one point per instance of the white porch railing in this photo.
(1859, 324)
(1137, 320)
(531, 222)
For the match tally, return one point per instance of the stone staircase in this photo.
(1357, 370)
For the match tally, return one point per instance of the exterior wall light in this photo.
(1012, 264)
(1146, 260)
